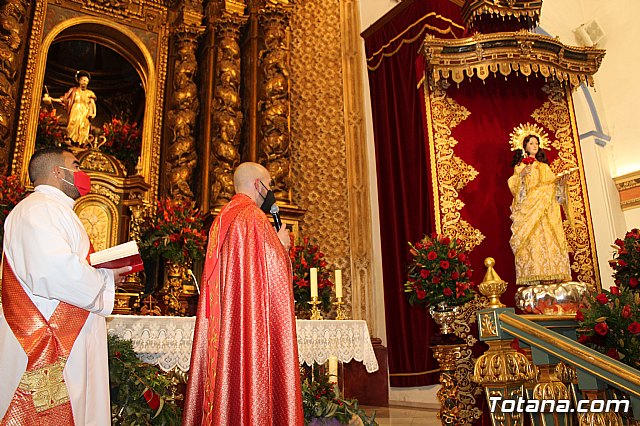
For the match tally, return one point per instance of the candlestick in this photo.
(338, 283)
(314, 282)
(315, 312)
(340, 312)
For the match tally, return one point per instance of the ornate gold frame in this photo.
(126, 38)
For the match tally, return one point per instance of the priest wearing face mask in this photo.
(53, 305)
(244, 362)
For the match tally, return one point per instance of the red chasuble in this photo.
(244, 362)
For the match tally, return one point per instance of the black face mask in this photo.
(269, 200)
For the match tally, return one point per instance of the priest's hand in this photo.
(285, 239)
(120, 274)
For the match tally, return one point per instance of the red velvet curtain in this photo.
(403, 173)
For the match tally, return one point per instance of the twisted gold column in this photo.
(450, 406)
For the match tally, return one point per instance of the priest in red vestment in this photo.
(244, 361)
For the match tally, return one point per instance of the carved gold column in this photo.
(181, 154)
(502, 370)
(450, 406)
(227, 117)
(13, 29)
(275, 104)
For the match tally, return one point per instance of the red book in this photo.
(125, 254)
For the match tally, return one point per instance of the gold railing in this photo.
(535, 367)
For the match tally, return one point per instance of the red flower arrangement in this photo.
(528, 160)
(440, 272)
(611, 324)
(626, 260)
(123, 141)
(11, 193)
(49, 132)
(175, 232)
(304, 257)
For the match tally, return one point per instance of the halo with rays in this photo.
(528, 129)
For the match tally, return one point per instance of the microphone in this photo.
(195, 281)
(275, 213)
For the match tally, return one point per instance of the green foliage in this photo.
(611, 325)
(440, 271)
(141, 394)
(305, 256)
(320, 401)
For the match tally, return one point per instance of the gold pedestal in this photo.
(341, 313)
(450, 405)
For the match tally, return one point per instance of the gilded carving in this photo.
(181, 157)
(488, 325)
(450, 173)
(105, 192)
(275, 104)
(519, 9)
(14, 23)
(506, 52)
(94, 218)
(227, 114)
(557, 116)
(318, 135)
(467, 389)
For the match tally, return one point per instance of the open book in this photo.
(125, 254)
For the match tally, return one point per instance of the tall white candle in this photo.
(314, 282)
(338, 283)
(333, 369)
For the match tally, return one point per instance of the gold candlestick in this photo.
(315, 312)
(341, 313)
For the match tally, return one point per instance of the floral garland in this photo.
(305, 256)
(141, 394)
(440, 272)
(323, 406)
(175, 232)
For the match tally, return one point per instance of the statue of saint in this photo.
(538, 240)
(80, 103)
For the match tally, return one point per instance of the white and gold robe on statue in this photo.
(538, 241)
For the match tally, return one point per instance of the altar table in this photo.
(166, 341)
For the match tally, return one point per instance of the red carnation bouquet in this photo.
(626, 260)
(439, 272)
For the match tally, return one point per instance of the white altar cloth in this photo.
(166, 341)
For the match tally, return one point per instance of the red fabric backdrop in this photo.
(403, 174)
(496, 107)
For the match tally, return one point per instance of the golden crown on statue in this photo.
(524, 130)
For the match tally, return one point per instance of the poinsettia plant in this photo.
(439, 272)
(174, 232)
(626, 260)
(305, 256)
(11, 193)
(611, 324)
(123, 141)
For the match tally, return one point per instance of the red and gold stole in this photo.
(42, 397)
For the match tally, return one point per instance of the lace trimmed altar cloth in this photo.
(166, 341)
